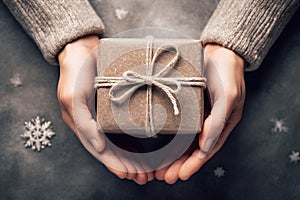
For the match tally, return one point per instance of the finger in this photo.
(150, 176)
(87, 126)
(141, 177)
(160, 174)
(81, 120)
(161, 171)
(131, 170)
(210, 135)
(215, 123)
(172, 174)
(108, 158)
(225, 109)
(145, 166)
(194, 162)
(147, 169)
(137, 161)
(68, 120)
(191, 165)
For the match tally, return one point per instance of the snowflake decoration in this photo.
(121, 13)
(219, 172)
(37, 134)
(279, 126)
(294, 157)
(15, 80)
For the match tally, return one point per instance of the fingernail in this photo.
(95, 144)
(208, 144)
(202, 154)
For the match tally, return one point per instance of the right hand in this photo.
(226, 86)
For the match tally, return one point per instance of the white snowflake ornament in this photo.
(279, 126)
(37, 134)
(219, 172)
(294, 157)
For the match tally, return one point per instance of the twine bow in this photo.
(137, 80)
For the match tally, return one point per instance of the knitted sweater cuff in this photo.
(53, 24)
(248, 27)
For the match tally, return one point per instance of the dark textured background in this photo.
(256, 160)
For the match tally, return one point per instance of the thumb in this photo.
(87, 126)
(213, 126)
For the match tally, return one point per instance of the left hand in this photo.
(226, 86)
(77, 98)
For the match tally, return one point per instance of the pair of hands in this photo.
(225, 74)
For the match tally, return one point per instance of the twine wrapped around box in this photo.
(131, 81)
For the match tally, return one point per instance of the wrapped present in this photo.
(148, 86)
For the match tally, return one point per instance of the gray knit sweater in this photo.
(248, 27)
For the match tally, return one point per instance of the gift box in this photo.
(148, 86)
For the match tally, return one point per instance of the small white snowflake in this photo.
(279, 126)
(37, 134)
(15, 80)
(219, 172)
(121, 13)
(294, 157)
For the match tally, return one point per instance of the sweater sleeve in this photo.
(52, 24)
(248, 27)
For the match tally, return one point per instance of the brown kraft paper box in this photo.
(131, 116)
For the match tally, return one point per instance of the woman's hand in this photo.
(77, 98)
(72, 60)
(226, 87)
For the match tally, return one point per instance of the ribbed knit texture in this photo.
(54, 23)
(249, 27)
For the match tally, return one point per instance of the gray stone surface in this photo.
(256, 160)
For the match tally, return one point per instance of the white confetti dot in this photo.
(121, 13)
(279, 126)
(294, 157)
(219, 172)
(15, 80)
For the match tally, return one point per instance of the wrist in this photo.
(83, 45)
(212, 50)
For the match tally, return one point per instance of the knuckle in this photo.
(65, 98)
(234, 93)
(121, 175)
